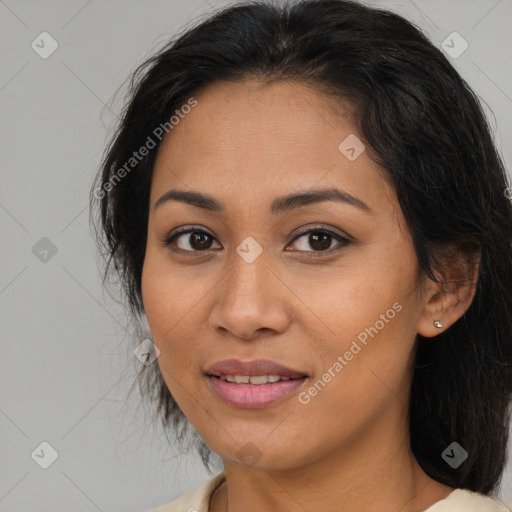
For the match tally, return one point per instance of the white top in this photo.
(459, 500)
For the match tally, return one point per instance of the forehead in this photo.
(248, 141)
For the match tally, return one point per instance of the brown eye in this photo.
(320, 240)
(200, 241)
(197, 240)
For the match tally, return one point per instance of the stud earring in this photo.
(438, 324)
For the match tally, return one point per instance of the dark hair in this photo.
(423, 124)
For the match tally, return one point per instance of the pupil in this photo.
(196, 238)
(199, 240)
(323, 245)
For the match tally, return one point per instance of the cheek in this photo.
(363, 324)
(164, 312)
(341, 305)
(172, 303)
(170, 295)
(358, 382)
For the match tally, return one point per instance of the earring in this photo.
(438, 324)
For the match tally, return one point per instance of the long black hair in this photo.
(422, 123)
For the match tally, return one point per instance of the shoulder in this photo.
(196, 500)
(464, 500)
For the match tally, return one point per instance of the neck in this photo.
(358, 477)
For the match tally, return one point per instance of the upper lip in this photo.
(251, 368)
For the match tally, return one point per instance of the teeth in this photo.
(254, 379)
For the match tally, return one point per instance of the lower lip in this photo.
(252, 396)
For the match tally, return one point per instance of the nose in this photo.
(250, 299)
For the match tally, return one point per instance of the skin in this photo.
(348, 448)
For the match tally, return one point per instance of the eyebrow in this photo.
(279, 205)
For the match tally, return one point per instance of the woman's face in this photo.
(345, 314)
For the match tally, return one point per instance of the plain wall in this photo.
(65, 368)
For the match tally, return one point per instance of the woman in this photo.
(305, 203)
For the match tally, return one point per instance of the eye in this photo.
(199, 240)
(320, 240)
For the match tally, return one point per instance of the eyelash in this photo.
(187, 230)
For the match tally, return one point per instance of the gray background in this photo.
(66, 367)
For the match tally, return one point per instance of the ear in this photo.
(448, 299)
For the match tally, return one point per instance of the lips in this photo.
(253, 368)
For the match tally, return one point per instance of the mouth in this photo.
(254, 392)
(237, 369)
(253, 384)
(257, 380)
